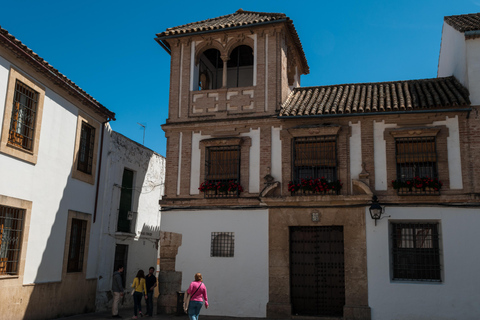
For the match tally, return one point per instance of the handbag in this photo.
(186, 301)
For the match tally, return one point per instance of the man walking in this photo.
(151, 282)
(117, 288)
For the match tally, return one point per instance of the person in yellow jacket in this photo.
(140, 290)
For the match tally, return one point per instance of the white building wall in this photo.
(149, 178)
(452, 60)
(473, 69)
(236, 286)
(456, 297)
(48, 184)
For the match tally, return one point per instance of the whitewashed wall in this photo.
(48, 184)
(149, 178)
(456, 297)
(237, 286)
(452, 60)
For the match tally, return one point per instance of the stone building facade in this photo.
(269, 185)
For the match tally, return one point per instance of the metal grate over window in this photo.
(415, 251)
(22, 123)
(11, 232)
(416, 158)
(76, 249)
(314, 158)
(223, 244)
(222, 167)
(87, 143)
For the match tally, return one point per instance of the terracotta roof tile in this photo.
(436, 93)
(464, 22)
(238, 19)
(23, 52)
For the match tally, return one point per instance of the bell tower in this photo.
(238, 65)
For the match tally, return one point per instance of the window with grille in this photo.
(125, 221)
(223, 244)
(11, 232)
(314, 158)
(415, 251)
(86, 151)
(76, 249)
(222, 167)
(22, 123)
(416, 158)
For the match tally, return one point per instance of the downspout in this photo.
(99, 170)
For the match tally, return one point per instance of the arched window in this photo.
(240, 67)
(210, 70)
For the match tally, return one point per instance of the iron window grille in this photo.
(22, 123)
(76, 249)
(415, 252)
(315, 158)
(222, 166)
(223, 244)
(87, 143)
(416, 158)
(11, 233)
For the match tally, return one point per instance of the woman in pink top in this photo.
(197, 293)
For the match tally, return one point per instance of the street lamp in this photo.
(375, 209)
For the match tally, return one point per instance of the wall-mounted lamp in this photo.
(375, 209)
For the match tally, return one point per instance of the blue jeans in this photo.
(150, 303)
(137, 302)
(194, 309)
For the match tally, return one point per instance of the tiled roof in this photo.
(464, 22)
(26, 54)
(410, 95)
(238, 19)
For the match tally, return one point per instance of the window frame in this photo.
(414, 253)
(8, 147)
(76, 215)
(296, 176)
(244, 144)
(76, 173)
(27, 207)
(86, 148)
(439, 134)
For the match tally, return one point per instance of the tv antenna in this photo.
(144, 127)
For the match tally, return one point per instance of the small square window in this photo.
(223, 244)
(415, 251)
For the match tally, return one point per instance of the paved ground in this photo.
(128, 313)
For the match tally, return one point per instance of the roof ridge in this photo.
(370, 83)
(53, 71)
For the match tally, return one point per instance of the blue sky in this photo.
(107, 47)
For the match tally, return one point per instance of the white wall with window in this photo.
(398, 290)
(132, 184)
(235, 269)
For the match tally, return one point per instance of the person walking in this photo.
(118, 290)
(151, 282)
(196, 294)
(140, 289)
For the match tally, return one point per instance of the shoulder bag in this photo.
(186, 301)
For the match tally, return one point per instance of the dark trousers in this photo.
(150, 303)
(137, 302)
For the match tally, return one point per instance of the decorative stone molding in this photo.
(314, 131)
(232, 100)
(361, 187)
(415, 132)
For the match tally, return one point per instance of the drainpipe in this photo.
(99, 170)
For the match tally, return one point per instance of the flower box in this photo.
(317, 186)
